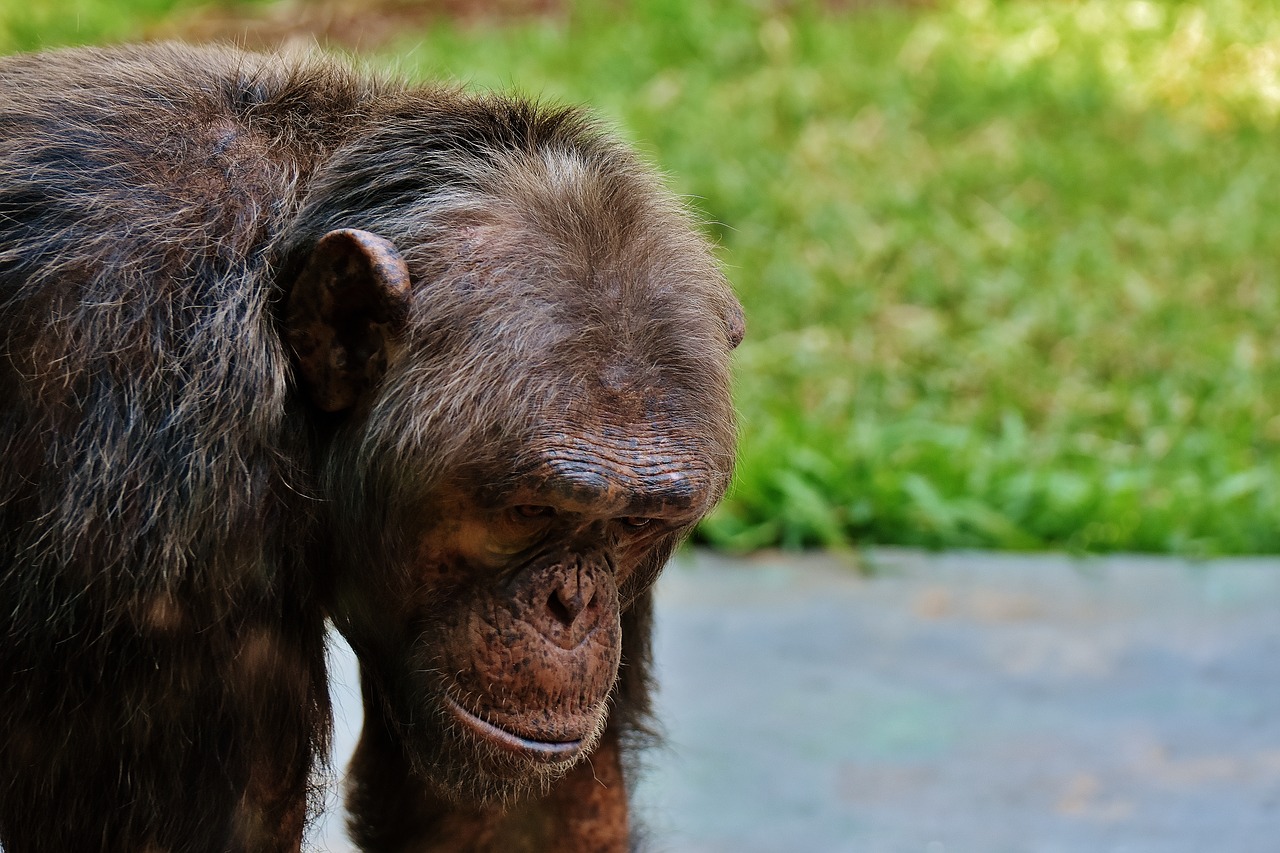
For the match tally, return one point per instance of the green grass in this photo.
(31, 24)
(1009, 267)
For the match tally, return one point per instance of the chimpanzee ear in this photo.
(344, 315)
(735, 324)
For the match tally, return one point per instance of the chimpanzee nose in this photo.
(567, 602)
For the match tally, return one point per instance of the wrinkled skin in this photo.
(508, 689)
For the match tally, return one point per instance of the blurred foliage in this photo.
(27, 25)
(1008, 266)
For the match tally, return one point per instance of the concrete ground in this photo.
(958, 703)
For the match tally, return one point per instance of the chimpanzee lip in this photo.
(509, 740)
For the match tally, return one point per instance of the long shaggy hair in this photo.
(164, 486)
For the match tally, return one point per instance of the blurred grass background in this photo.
(1009, 267)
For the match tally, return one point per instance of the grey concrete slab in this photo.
(959, 702)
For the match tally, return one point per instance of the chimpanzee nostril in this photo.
(560, 609)
(568, 600)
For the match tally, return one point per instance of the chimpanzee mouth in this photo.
(546, 750)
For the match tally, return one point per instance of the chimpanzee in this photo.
(282, 342)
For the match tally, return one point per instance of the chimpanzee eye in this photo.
(532, 511)
(635, 522)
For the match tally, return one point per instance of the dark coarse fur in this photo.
(172, 509)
